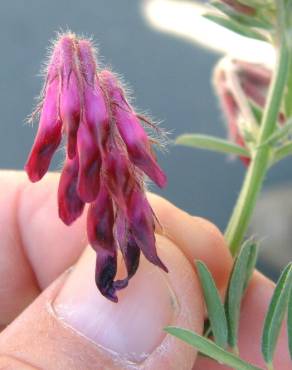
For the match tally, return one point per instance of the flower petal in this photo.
(70, 204)
(48, 136)
(100, 223)
(131, 131)
(70, 112)
(70, 91)
(140, 216)
(89, 165)
(129, 248)
(117, 172)
(96, 115)
(138, 145)
(95, 108)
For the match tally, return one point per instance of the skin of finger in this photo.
(51, 246)
(11, 363)
(254, 309)
(42, 340)
(198, 238)
(16, 274)
(36, 246)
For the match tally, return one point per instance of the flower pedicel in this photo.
(108, 151)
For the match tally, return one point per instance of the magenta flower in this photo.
(108, 152)
(241, 88)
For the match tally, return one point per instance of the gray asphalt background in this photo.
(169, 76)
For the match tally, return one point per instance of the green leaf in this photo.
(234, 26)
(214, 305)
(247, 20)
(209, 348)
(211, 143)
(289, 323)
(251, 263)
(241, 273)
(276, 313)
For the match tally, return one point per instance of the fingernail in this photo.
(133, 327)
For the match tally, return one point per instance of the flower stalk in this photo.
(259, 164)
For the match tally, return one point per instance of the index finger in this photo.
(35, 245)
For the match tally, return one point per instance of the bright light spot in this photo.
(184, 18)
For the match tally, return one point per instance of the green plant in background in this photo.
(257, 103)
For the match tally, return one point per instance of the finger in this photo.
(35, 245)
(51, 246)
(83, 330)
(198, 238)
(17, 279)
(254, 309)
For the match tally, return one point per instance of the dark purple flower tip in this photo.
(129, 248)
(105, 272)
(121, 284)
(131, 255)
(141, 223)
(70, 204)
(100, 222)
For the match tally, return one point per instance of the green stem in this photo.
(256, 172)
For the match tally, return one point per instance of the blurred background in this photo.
(170, 76)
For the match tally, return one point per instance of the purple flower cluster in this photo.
(107, 153)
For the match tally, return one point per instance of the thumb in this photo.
(71, 326)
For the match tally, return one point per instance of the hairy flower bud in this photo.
(69, 93)
(108, 151)
(48, 137)
(131, 131)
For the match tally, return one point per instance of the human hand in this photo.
(69, 325)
